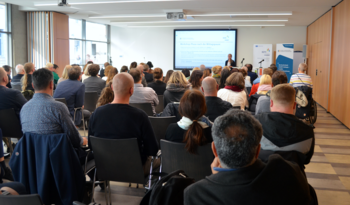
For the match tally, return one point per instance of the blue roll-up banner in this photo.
(284, 58)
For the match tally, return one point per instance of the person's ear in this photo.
(131, 90)
(217, 87)
(214, 149)
(294, 105)
(271, 103)
(202, 89)
(258, 151)
(51, 85)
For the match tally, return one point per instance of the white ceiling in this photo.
(146, 13)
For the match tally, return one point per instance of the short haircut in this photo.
(186, 72)
(272, 65)
(157, 73)
(94, 69)
(19, 68)
(124, 69)
(303, 67)
(49, 65)
(279, 77)
(216, 69)
(283, 94)
(268, 71)
(236, 136)
(236, 79)
(55, 66)
(273, 68)
(41, 79)
(7, 68)
(265, 80)
(145, 67)
(133, 65)
(136, 75)
(249, 66)
(234, 70)
(74, 73)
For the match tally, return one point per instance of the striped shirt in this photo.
(300, 79)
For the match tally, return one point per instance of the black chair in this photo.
(147, 107)
(90, 101)
(33, 199)
(62, 100)
(160, 125)
(10, 125)
(176, 157)
(16, 86)
(160, 106)
(236, 107)
(117, 160)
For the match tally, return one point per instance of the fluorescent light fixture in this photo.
(110, 2)
(145, 16)
(219, 21)
(247, 14)
(208, 25)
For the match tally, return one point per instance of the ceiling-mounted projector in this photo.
(63, 3)
(177, 16)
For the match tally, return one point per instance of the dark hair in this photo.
(136, 75)
(272, 65)
(74, 65)
(279, 77)
(7, 68)
(93, 69)
(224, 75)
(236, 136)
(90, 62)
(133, 65)
(192, 105)
(249, 66)
(273, 68)
(124, 69)
(168, 74)
(74, 72)
(236, 79)
(157, 73)
(107, 96)
(244, 73)
(41, 79)
(195, 78)
(106, 64)
(234, 70)
(55, 66)
(268, 71)
(206, 72)
(186, 72)
(150, 65)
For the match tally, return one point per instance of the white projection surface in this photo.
(209, 47)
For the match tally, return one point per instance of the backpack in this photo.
(168, 190)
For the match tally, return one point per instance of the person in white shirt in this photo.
(234, 91)
(230, 63)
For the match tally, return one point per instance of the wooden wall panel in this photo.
(61, 41)
(319, 45)
(339, 96)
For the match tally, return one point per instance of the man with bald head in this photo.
(215, 105)
(10, 98)
(119, 120)
(140, 68)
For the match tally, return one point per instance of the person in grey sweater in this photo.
(94, 83)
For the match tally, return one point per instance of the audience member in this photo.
(86, 74)
(283, 131)
(244, 71)
(64, 74)
(224, 75)
(54, 71)
(191, 129)
(8, 72)
(239, 177)
(226, 68)
(255, 87)
(167, 76)
(206, 73)
(187, 74)
(107, 69)
(106, 96)
(20, 73)
(102, 71)
(217, 73)
(111, 73)
(234, 70)
(251, 74)
(195, 68)
(10, 98)
(124, 69)
(265, 84)
(140, 68)
(143, 94)
(26, 81)
(150, 65)
(263, 104)
(273, 69)
(301, 78)
(133, 65)
(176, 87)
(215, 106)
(44, 115)
(148, 76)
(202, 67)
(158, 85)
(196, 80)
(74, 92)
(13, 188)
(89, 62)
(50, 66)
(234, 91)
(119, 120)
(94, 83)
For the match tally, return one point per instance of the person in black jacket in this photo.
(283, 131)
(148, 76)
(158, 85)
(176, 87)
(230, 63)
(239, 177)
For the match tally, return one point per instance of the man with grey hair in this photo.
(215, 105)
(239, 177)
(301, 78)
(141, 68)
(16, 80)
(202, 67)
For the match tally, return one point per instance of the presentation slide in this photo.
(193, 48)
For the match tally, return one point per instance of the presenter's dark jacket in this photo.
(216, 107)
(277, 182)
(233, 63)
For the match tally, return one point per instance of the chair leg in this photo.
(106, 192)
(150, 174)
(82, 114)
(110, 197)
(93, 186)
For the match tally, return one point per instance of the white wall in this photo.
(156, 44)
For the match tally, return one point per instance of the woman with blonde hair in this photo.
(265, 84)
(112, 72)
(176, 87)
(217, 73)
(167, 76)
(26, 80)
(107, 69)
(227, 68)
(65, 74)
(86, 73)
(106, 97)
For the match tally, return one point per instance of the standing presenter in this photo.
(230, 63)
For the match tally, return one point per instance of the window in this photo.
(88, 42)
(5, 35)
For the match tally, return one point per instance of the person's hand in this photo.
(216, 163)
(85, 141)
(82, 107)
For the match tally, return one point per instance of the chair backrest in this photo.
(33, 199)
(16, 86)
(160, 106)
(160, 125)
(10, 124)
(176, 157)
(118, 160)
(63, 100)
(147, 107)
(90, 101)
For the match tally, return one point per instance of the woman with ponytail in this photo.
(194, 129)
(27, 78)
